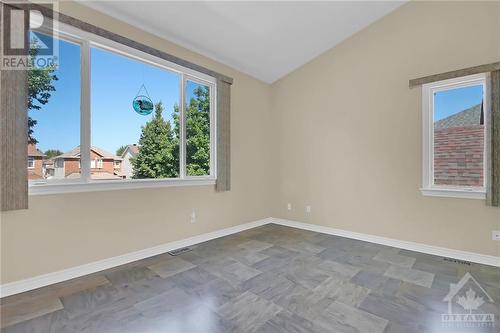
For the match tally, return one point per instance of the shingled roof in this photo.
(134, 150)
(470, 117)
(33, 150)
(75, 153)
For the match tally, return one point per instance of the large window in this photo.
(454, 137)
(114, 117)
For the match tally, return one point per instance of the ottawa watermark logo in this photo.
(28, 35)
(465, 300)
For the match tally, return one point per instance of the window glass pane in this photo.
(459, 137)
(54, 113)
(127, 144)
(197, 129)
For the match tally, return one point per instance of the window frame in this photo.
(31, 159)
(428, 90)
(85, 183)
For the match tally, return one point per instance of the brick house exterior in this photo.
(35, 163)
(104, 165)
(459, 149)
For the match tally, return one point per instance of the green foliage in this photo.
(159, 152)
(120, 150)
(198, 133)
(156, 157)
(52, 153)
(40, 87)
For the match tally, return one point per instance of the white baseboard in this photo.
(20, 286)
(406, 245)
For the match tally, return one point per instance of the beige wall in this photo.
(62, 231)
(342, 134)
(349, 129)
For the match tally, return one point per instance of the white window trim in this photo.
(86, 41)
(113, 185)
(213, 146)
(428, 187)
(31, 158)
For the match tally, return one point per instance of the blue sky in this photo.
(453, 101)
(59, 120)
(115, 81)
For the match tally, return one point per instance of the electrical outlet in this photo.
(496, 235)
(193, 217)
(289, 206)
(308, 209)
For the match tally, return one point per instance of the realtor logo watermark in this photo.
(465, 300)
(28, 35)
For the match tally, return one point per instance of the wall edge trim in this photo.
(43, 280)
(405, 245)
(39, 281)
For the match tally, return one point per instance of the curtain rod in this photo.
(129, 42)
(454, 74)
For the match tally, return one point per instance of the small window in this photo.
(31, 162)
(454, 137)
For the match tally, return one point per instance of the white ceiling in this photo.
(266, 40)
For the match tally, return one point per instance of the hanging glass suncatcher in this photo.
(142, 103)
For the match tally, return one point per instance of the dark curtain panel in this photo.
(223, 136)
(13, 133)
(493, 194)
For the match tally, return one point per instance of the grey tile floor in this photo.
(267, 280)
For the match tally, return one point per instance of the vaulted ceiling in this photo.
(266, 40)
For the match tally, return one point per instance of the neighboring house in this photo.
(103, 164)
(129, 152)
(459, 148)
(35, 161)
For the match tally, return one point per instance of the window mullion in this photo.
(213, 131)
(431, 138)
(85, 129)
(486, 124)
(182, 134)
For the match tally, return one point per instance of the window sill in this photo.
(95, 186)
(454, 193)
